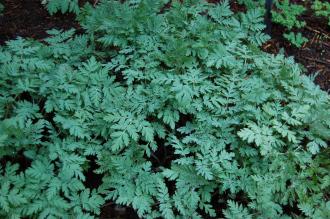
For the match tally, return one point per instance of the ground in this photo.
(314, 55)
(30, 19)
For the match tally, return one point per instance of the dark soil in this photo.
(28, 18)
(314, 55)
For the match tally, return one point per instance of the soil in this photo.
(28, 18)
(313, 55)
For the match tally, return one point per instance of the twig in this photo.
(107, 204)
(267, 46)
(326, 44)
(313, 39)
(317, 31)
(315, 60)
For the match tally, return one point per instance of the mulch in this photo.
(314, 55)
(28, 18)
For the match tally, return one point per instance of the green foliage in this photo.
(63, 6)
(250, 4)
(287, 13)
(322, 9)
(2, 8)
(236, 211)
(296, 39)
(234, 125)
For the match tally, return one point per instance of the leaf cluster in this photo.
(322, 8)
(2, 7)
(179, 109)
(63, 6)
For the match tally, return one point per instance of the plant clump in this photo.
(179, 108)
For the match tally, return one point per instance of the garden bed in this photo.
(313, 55)
(30, 19)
